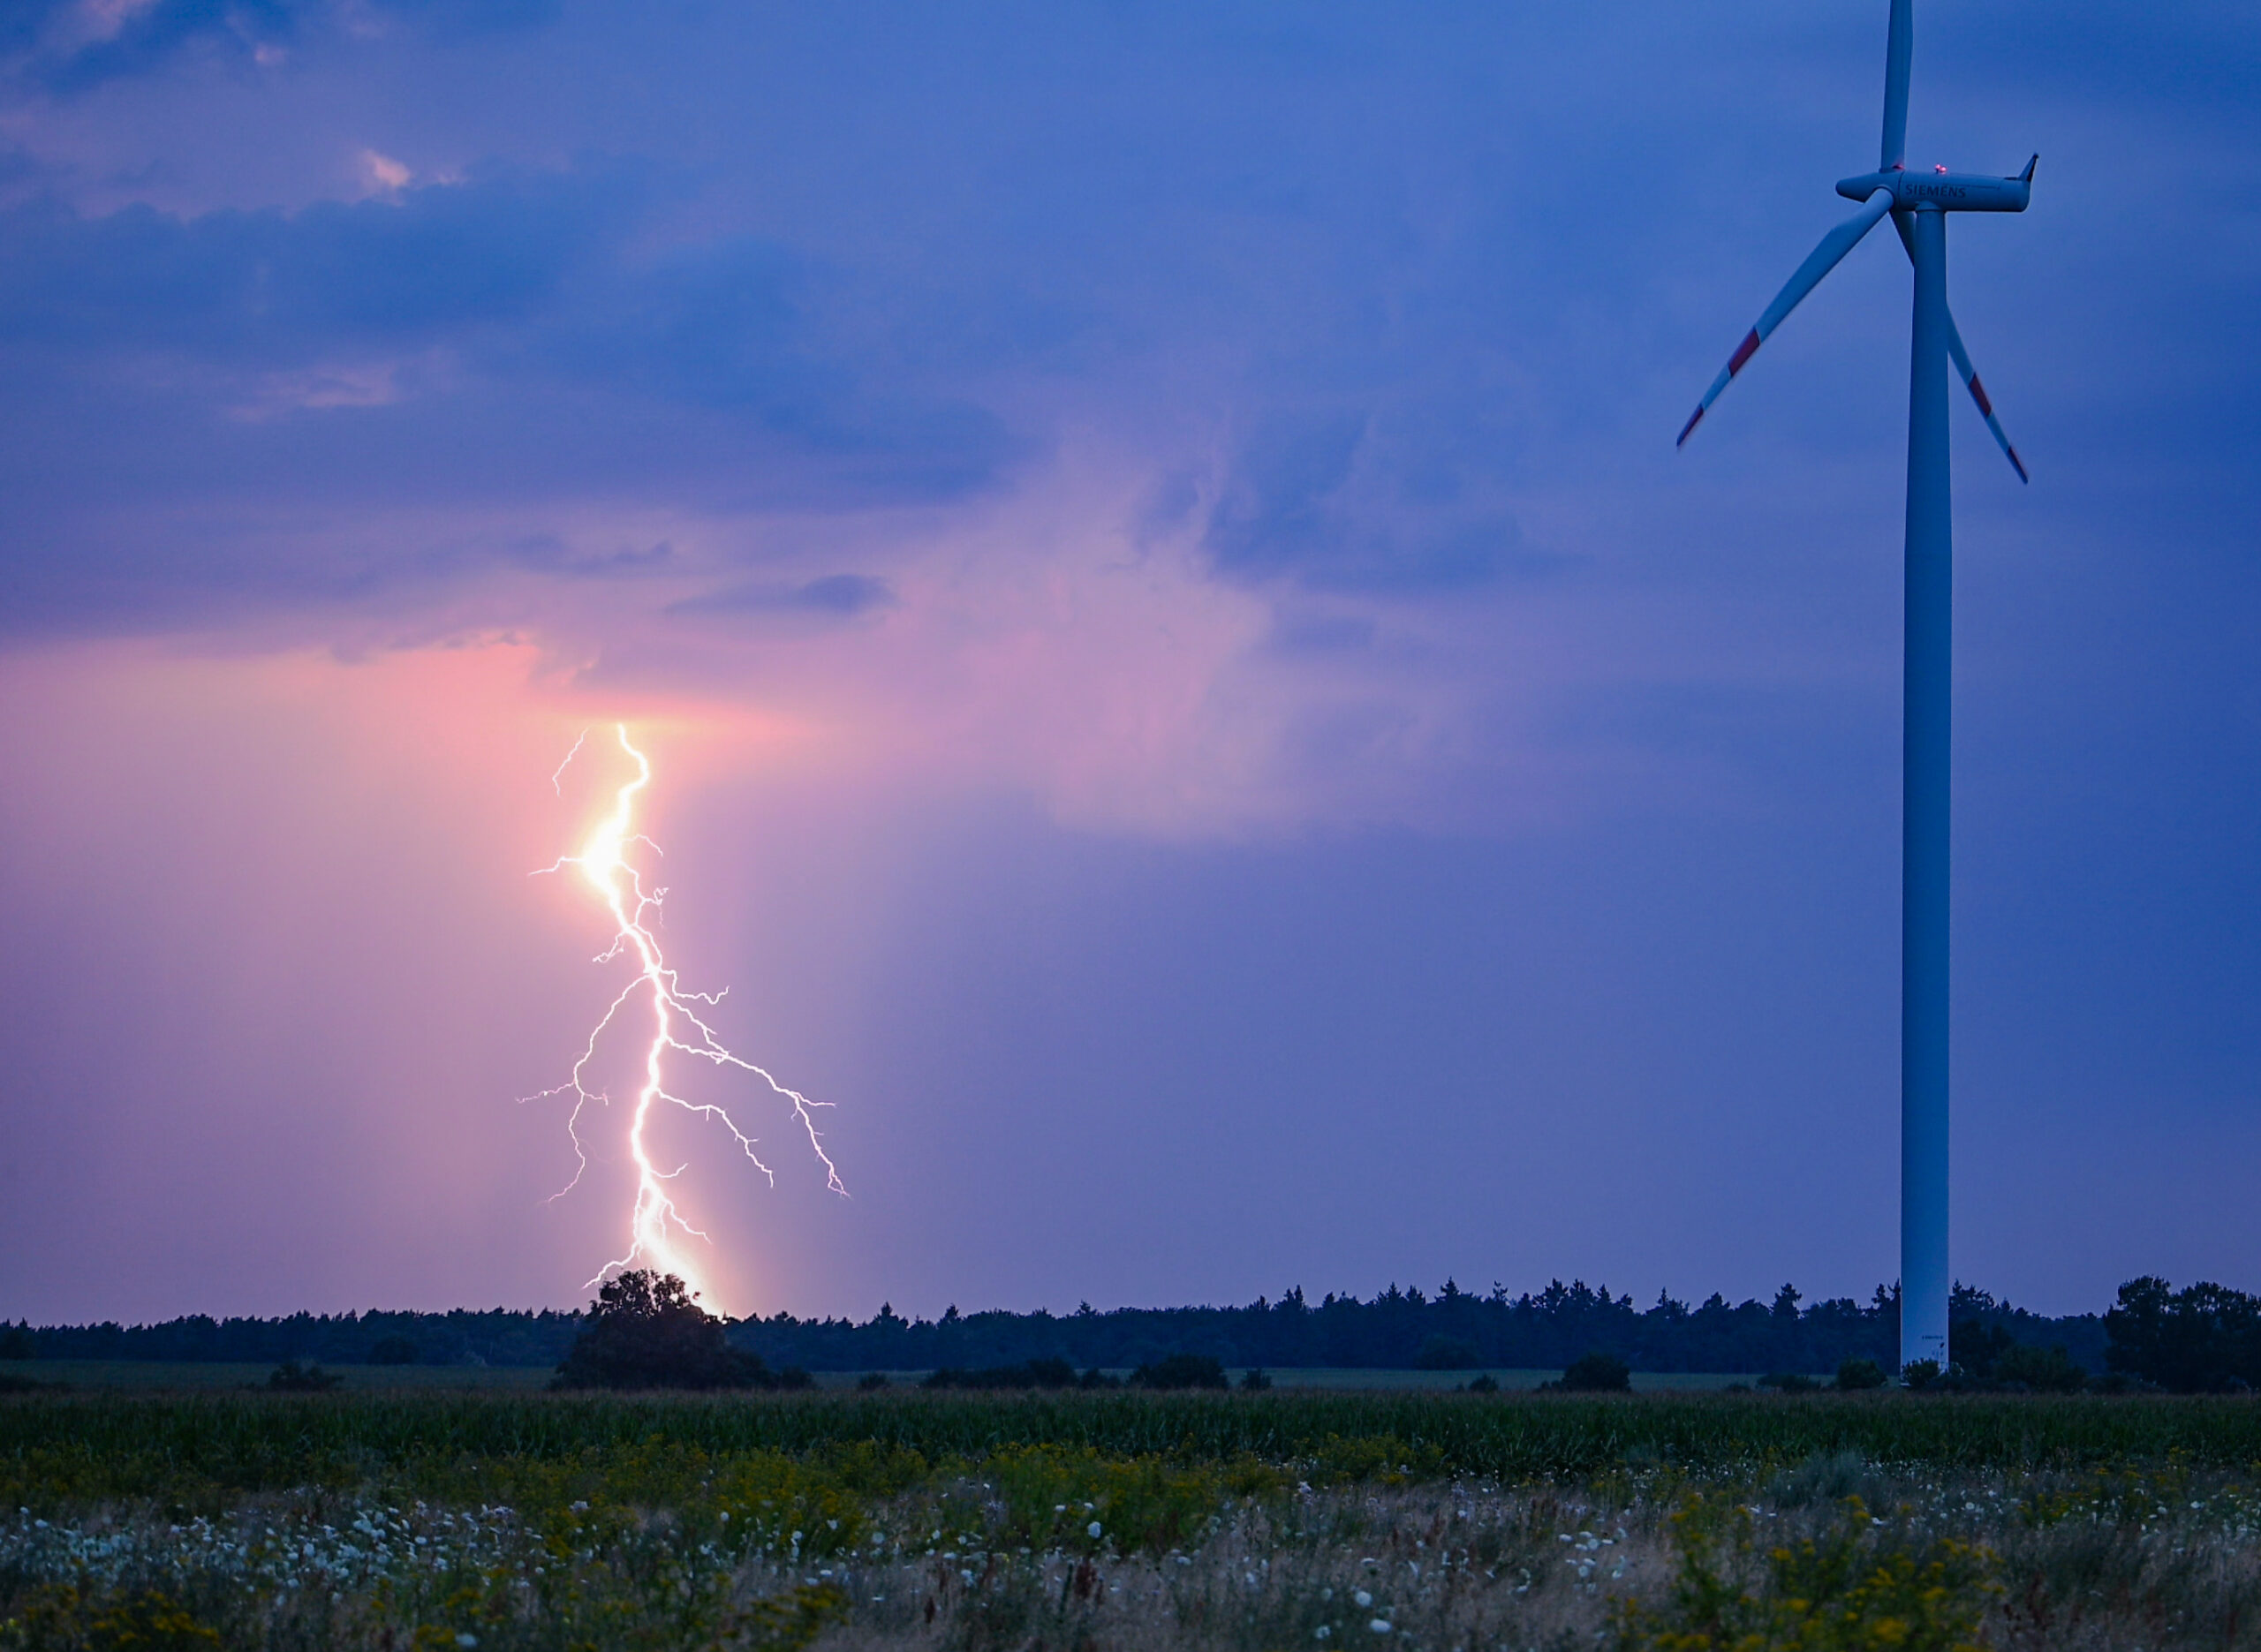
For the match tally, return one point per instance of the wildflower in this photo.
(1364, 1597)
(1092, 1530)
(1380, 1626)
(1321, 1633)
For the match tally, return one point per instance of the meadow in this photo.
(492, 1517)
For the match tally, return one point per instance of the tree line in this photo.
(1408, 1328)
(1397, 1329)
(494, 1336)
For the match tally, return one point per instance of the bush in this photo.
(870, 1382)
(1181, 1370)
(1485, 1384)
(1851, 1586)
(1856, 1374)
(1973, 1347)
(291, 1378)
(1595, 1373)
(1920, 1373)
(1097, 1378)
(1788, 1382)
(645, 1331)
(392, 1351)
(2043, 1370)
(1447, 1353)
(1254, 1381)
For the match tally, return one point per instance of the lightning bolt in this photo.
(655, 1220)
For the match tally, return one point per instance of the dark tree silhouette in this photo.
(645, 1330)
(2204, 1337)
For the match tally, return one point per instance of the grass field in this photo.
(435, 1516)
(196, 1375)
(176, 1375)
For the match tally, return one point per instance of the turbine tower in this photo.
(1918, 204)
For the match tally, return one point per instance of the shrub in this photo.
(646, 1331)
(1973, 1347)
(1850, 1588)
(870, 1382)
(1485, 1384)
(1097, 1378)
(1181, 1370)
(1920, 1373)
(1254, 1381)
(71, 1615)
(1858, 1374)
(2044, 1371)
(392, 1351)
(1447, 1353)
(1788, 1382)
(1594, 1373)
(291, 1378)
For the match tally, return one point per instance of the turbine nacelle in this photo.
(1942, 190)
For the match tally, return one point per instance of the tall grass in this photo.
(111, 1445)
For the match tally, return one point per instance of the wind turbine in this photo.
(1918, 203)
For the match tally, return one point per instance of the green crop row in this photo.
(98, 1446)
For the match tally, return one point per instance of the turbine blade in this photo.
(1978, 394)
(1961, 359)
(1899, 48)
(1819, 262)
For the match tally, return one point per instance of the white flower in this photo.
(1364, 1598)
(1092, 1530)
(1321, 1633)
(467, 1639)
(1380, 1626)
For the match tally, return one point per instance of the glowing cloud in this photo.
(605, 863)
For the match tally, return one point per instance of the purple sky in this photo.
(1193, 698)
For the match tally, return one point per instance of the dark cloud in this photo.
(1332, 501)
(269, 289)
(837, 595)
(64, 46)
(502, 338)
(1418, 280)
